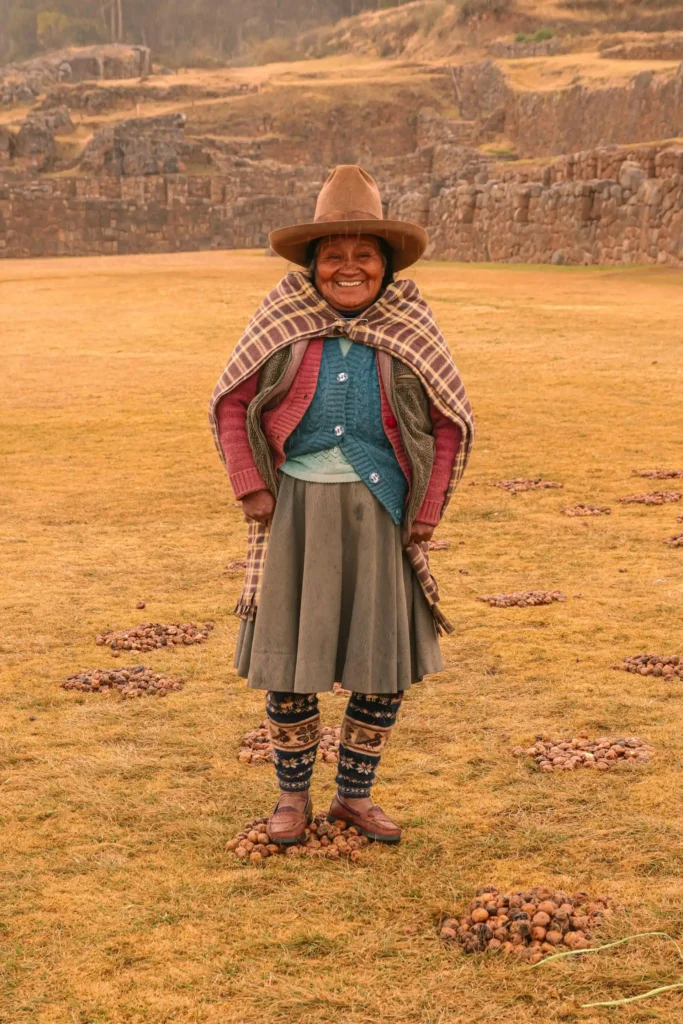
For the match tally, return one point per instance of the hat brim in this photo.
(407, 240)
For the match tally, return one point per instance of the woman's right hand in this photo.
(260, 506)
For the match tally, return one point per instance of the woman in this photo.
(344, 427)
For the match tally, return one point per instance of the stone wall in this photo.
(665, 48)
(649, 106)
(25, 81)
(104, 216)
(612, 205)
(632, 218)
(511, 49)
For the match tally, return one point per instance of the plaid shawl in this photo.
(400, 323)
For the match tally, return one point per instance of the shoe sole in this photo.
(376, 837)
(286, 842)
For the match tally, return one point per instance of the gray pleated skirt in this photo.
(339, 600)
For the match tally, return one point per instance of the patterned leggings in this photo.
(294, 725)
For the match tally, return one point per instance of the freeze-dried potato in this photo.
(587, 510)
(653, 665)
(256, 747)
(652, 498)
(523, 598)
(553, 755)
(150, 636)
(660, 474)
(520, 483)
(322, 840)
(137, 681)
(236, 567)
(528, 924)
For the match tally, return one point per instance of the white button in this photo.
(342, 377)
(339, 431)
(374, 478)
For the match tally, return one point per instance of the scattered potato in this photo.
(661, 474)
(587, 510)
(236, 567)
(328, 751)
(553, 755)
(523, 598)
(652, 665)
(520, 483)
(322, 840)
(256, 747)
(569, 921)
(152, 635)
(652, 498)
(676, 541)
(130, 682)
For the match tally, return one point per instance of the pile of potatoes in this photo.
(676, 541)
(652, 665)
(523, 598)
(137, 681)
(530, 924)
(321, 840)
(587, 510)
(652, 498)
(520, 483)
(150, 636)
(236, 567)
(328, 751)
(662, 474)
(553, 755)
(256, 747)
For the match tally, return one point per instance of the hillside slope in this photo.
(436, 29)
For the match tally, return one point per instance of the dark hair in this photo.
(384, 247)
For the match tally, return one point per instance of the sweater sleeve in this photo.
(232, 432)
(447, 441)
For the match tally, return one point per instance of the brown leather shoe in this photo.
(287, 824)
(374, 823)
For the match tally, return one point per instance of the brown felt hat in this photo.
(350, 204)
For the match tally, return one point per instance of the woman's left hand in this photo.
(420, 533)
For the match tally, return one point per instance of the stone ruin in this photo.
(613, 205)
(666, 47)
(34, 145)
(514, 50)
(128, 191)
(138, 146)
(551, 122)
(23, 82)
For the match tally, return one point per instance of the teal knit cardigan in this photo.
(346, 412)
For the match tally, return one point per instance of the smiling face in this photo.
(349, 271)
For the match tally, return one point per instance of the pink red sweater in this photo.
(280, 422)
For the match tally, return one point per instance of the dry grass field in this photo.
(117, 901)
